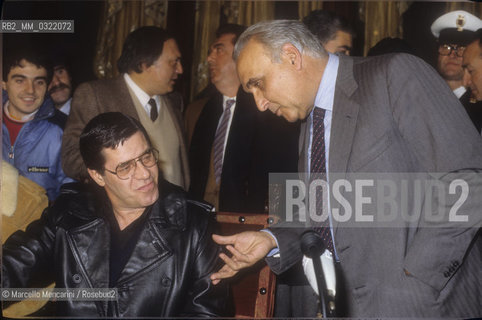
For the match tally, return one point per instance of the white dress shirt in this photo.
(142, 96)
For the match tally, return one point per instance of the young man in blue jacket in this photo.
(32, 127)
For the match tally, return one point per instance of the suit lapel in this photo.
(344, 120)
(201, 143)
(88, 245)
(345, 114)
(304, 142)
(125, 97)
(151, 247)
(241, 132)
(87, 242)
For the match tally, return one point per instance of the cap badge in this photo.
(460, 22)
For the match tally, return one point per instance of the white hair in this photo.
(274, 34)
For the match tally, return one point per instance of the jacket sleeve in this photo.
(440, 135)
(205, 299)
(60, 175)
(287, 235)
(28, 255)
(84, 107)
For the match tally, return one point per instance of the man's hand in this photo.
(247, 248)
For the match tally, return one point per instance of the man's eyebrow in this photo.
(21, 76)
(16, 75)
(214, 46)
(142, 154)
(251, 82)
(57, 68)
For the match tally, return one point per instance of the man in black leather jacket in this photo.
(136, 233)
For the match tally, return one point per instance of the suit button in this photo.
(455, 263)
(166, 282)
(451, 269)
(446, 274)
(77, 278)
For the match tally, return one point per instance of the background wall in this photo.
(101, 26)
(79, 46)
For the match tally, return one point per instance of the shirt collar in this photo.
(326, 91)
(460, 91)
(24, 119)
(226, 98)
(141, 95)
(66, 107)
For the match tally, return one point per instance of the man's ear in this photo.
(292, 55)
(97, 177)
(4, 85)
(144, 66)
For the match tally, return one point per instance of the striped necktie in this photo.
(318, 171)
(220, 139)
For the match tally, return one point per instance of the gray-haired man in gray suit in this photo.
(378, 119)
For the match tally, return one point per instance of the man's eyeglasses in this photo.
(446, 50)
(126, 169)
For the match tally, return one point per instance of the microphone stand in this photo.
(313, 247)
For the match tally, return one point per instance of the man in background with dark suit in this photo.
(150, 64)
(384, 116)
(233, 146)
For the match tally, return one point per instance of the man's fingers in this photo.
(223, 273)
(231, 262)
(242, 255)
(223, 240)
(238, 256)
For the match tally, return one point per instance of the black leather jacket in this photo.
(167, 274)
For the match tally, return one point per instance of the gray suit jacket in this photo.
(112, 95)
(393, 114)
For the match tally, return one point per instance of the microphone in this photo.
(311, 244)
(321, 267)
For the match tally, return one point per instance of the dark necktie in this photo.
(154, 113)
(219, 140)
(318, 171)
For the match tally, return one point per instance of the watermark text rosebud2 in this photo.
(379, 199)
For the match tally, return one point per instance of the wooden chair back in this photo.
(253, 290)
